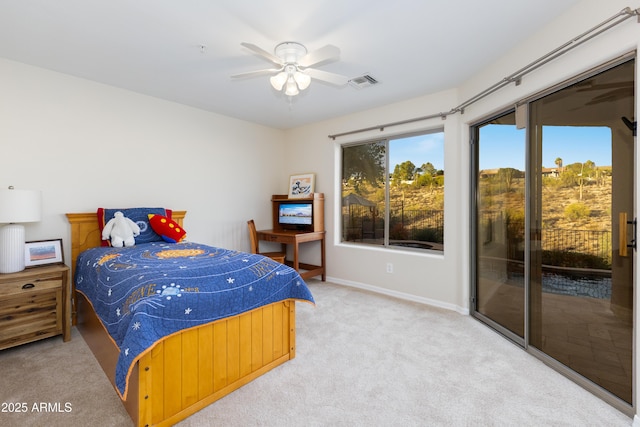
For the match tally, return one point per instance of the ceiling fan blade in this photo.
(257, 73)
(268, 56)
(335, 79)
(324, 54)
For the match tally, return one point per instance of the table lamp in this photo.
(16, 206)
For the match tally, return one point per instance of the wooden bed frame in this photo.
(192, 369)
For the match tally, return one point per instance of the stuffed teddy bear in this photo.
(121, 230)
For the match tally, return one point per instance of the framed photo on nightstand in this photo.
(43, 252)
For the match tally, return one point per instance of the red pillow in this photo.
(167, 228)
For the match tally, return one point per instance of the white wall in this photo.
(87, 145)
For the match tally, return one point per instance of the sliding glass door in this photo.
(554, 225)
(500, 207)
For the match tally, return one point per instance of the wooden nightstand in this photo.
(34, 304)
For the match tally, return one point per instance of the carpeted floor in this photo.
(361, 360)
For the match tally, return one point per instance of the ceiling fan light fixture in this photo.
(279, 80)
(291, 88)
(291, 80)
(303, 80)
(296, 66)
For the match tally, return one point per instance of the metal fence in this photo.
(362, 223)
(496, 227)
(596, 243)
(417, 224)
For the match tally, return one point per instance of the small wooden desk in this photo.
(290, 237)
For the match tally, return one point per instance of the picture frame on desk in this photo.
(301, 185)
(42, 252)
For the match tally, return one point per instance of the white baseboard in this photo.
(401, 295)
(636, 421)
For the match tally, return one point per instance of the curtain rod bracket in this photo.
(628, 11)
(513, 79)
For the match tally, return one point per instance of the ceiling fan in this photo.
(294, 72)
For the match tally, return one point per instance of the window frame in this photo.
(387, 139)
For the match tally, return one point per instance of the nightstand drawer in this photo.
(21, 287)
(30, 315)
(34, 305)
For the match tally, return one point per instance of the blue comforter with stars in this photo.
(149, 291)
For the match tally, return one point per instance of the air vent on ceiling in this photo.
(362, 81)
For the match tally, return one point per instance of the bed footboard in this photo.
(194, 368)
(191, 369)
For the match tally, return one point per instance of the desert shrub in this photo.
(398, 232)
(551, 182)
(576, 211)
(515, 224)
(429, 235)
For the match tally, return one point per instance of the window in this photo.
(393, 192)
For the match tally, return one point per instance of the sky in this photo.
(418, 149)
(504, 146)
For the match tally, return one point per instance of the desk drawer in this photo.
(270, 238)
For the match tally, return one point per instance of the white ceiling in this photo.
(412, 47)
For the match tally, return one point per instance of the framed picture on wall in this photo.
(43, 252)
(302, 185)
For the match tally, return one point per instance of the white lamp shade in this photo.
(16, 206)
(279, 80)
(20, 206)
(302, 79)
(291, 89)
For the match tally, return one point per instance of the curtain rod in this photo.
(516, 77)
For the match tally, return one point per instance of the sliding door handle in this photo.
(623, 234)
